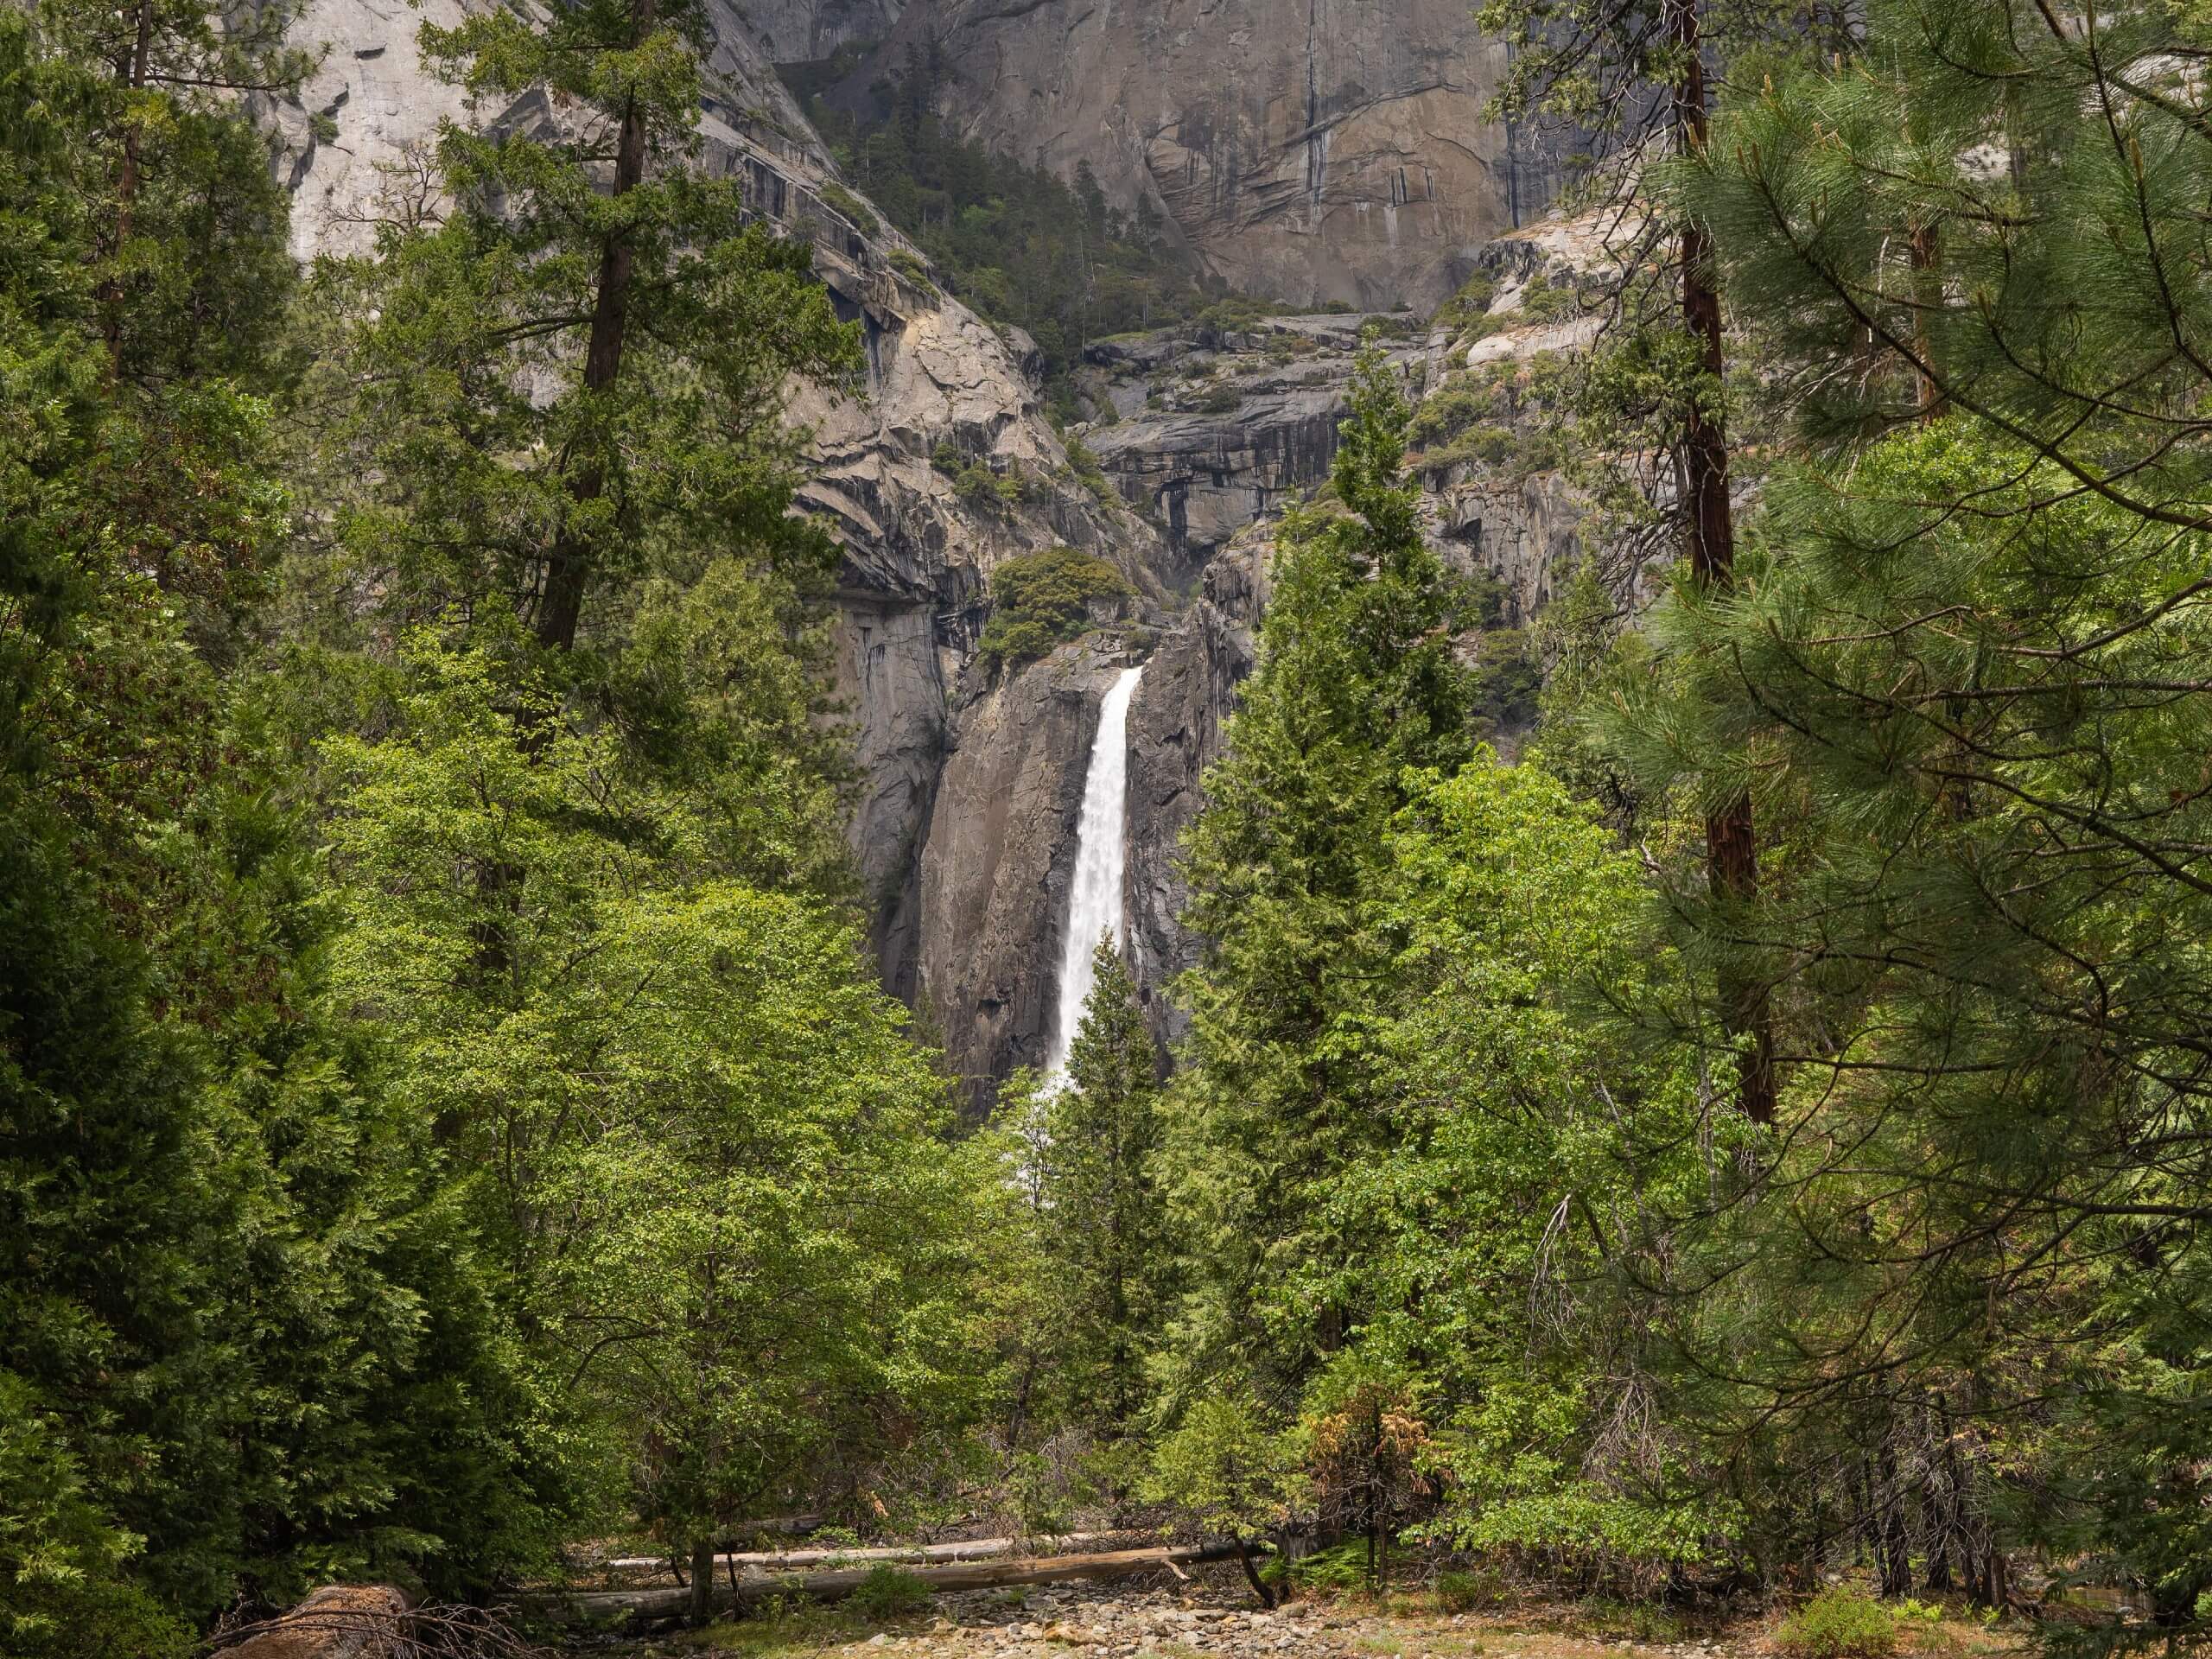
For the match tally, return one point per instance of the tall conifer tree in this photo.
(1357, 682)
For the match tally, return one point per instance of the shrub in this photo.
(1340, 1569)
(64, 1588)
(888, 1593)
(1466, 312)
(850, 205)
(1238, 313)
(978, 485)
(912, 269)
(1040, 600)
(1393, 328)
(1842, 1622)
(1457, 406)
(1085, 465)
(1461, 1591)
(1540, 299)
(1493, 446)
(1220, 400)
(948, 459)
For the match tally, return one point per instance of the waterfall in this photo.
(1095, 896)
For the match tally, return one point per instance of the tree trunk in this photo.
(1252, 1575)
(703, 1580)
(131, 73)
(568, 570)
(1732, 846)
(1896, 1552)
(341, 1621)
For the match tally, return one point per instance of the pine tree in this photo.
(1629, 74)
(553, 389)
(1357, 682)
(1102, 1214)
(214, 1213)
(1964, 655)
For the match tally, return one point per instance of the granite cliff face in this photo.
(999, 857)
(918, 550)
(1285, 146)
(1306, 150)
(1206, 432)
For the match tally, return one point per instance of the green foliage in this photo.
(851, 206)
(1464, 1590)
(979, 487)
(1040, 599)
(1357, 682)
(912, 269)
(1459, 404)
(1238, 313)
(59, 1554)
(1467, 309)
(1227, 1469)
(1092, 476)
(1341, 1569)
(1220, 400)
(660, 1078)
(1842, 1622)
(888, 1593)
(1101, 1217)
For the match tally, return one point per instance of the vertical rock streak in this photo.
(1095, 895)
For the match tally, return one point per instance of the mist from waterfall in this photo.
(1095, 896)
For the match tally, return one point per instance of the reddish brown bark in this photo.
(1731, 843)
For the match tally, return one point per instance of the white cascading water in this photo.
(1095, 898)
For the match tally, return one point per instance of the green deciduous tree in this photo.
(237, 1318)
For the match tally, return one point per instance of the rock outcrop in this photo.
(999, 855)
(1208, 431)
(1176, 722)
(1331, 149)
(1307, 150)
(919, 551)
(359, 131)
(800, 31)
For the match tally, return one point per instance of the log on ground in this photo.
(608, 1607)
(786, 1560)
(345, 1621)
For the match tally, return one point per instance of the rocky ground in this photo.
(1213, 1616)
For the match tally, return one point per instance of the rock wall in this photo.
(1307, 150)
(1324, 149)
(1176, 723)
(798, 31)
(917, 558)
(998, 858)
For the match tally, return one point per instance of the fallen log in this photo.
(609, 1607)
(776, 1561)
(341, 1621)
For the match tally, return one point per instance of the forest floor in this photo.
(1213, 1617)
